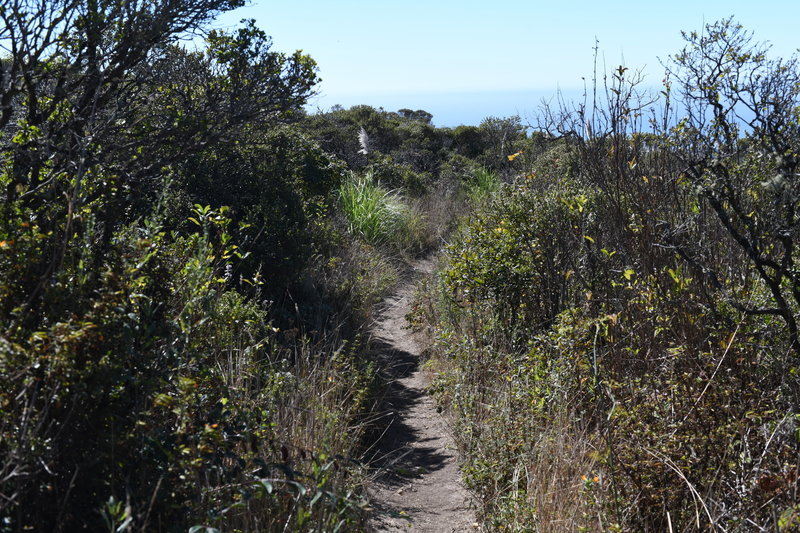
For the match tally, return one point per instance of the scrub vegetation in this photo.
(615, 331)
(190, 263)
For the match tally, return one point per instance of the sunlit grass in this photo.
(374, 213)
(482, 184)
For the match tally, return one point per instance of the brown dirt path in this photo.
(418, 486)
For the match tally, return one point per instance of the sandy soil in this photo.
(417, 485)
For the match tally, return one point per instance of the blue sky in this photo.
(469, 59)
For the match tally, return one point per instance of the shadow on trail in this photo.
(394, 457)
(412, 458)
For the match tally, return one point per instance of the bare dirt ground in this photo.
(418, 486)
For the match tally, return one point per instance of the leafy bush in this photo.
(619, 292)
(151, 211)
(188, 398)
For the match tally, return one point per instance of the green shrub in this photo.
(564, 304)
(195, 408)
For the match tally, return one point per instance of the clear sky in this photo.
(464, 60)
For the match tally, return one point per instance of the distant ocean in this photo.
(457, 108)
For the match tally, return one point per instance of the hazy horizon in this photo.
(451, 109)
(463, 61)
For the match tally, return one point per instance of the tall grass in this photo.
(481, 184)
(372, 212)
(380, 216)
(302, 476)
(208, 416)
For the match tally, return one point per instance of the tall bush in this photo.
(630, 289)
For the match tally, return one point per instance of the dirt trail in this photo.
(418, 486)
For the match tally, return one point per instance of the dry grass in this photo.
(561, 480)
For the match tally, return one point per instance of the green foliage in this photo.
(156, 202)
(628, 291)
(468, 141)
(182, 308)
(398, 175)
(277, 189)
(744, 158)
(524, 255)
(184, 387)
(377, 215)
(188, 262)
(500, 137)
(404, 149)
(481, 184)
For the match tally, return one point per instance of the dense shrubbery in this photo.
(182, 305)
(615, 330)
(188, 262)
(405, 150)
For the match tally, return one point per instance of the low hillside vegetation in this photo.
(615, 332)
(191, 262)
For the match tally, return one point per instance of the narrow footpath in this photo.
(418, 485)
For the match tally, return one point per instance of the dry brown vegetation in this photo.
(615, 331)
